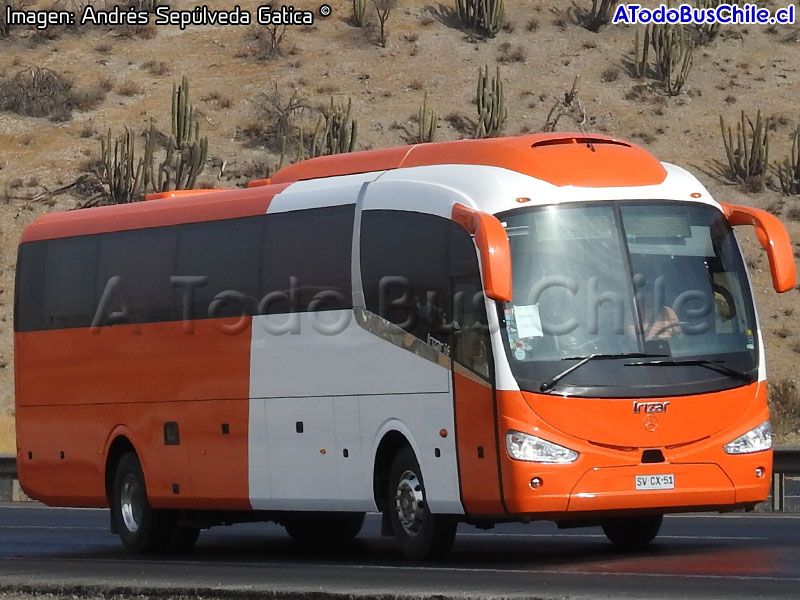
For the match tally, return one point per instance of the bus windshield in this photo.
(657, 289)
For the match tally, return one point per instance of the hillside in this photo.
(123, 76)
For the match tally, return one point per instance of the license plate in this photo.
(655, 482)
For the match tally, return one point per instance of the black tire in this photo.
(632, 533)
(329, 529)
(419, 534)
(141, 528)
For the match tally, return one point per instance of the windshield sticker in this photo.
(529, 323)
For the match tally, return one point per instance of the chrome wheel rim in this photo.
(130, 502)
(410, 503)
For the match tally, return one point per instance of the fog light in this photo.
(536, 482)
(760, 472)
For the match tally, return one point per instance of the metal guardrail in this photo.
(8, 466)
(786, 462)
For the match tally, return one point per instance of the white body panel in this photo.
(344, 388)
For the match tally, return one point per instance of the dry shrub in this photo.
(130, 88)
(5, 28)
(40, 92)
(510, 54)
(265, 42)
(784, 406)
(35, 92)
(156, 67)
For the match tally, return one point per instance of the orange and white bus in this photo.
(553, 327)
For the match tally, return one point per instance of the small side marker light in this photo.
(323, 451)
(443, 433)
(523, 200)
(696, 195)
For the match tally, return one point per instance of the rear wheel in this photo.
(327, 528)
(141, 528)
(419, 534)
(632, 533)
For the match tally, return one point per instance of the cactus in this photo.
(491, 101)
(336, 132)
(640, 54)
(789, 170)
(186, 150)
(484, 16)
(674, 52)
(748, 160)
(708, 32)
(119, 171)
(600, 14)
(427, 122)
(359, 18)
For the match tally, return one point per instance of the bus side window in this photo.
(227, 254)
(306, 256)
(471, 342)
(405, 274)
(69, 283)
(145, 261)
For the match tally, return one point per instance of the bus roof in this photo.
(576, 159)
(561, 159)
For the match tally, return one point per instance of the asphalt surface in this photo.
(715, 556)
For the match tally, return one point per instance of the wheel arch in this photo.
(392, 437)
(118, 444)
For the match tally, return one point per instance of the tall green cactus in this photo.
(186, 151)
(491, 103)
(184, 158)
(120, 172)
(748, 159)
(708, 32)
(641, 54)
(427, 121)
(336, 131)
(484, 16)
(673, 53)
(600, 14)
(789, 170)
(359, 18)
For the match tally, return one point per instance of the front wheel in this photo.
(419, 534)
(632, 533)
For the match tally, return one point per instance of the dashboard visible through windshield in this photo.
(655, 292)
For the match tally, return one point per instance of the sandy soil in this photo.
(744, 69)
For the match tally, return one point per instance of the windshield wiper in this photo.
(714, 365)
(550, 383)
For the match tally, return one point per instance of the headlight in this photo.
(531, 448)
(755, 440)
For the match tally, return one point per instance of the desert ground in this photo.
(123, 77)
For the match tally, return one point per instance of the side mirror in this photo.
(495, 251)
(773, 238)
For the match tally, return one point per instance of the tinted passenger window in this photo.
(144, 261)
(405, 270)
(69, 279)
(29, 287)
(307, 260)
(220, 257)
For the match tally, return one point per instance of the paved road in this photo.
(695, 557)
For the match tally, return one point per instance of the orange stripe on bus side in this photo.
(74, 387)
